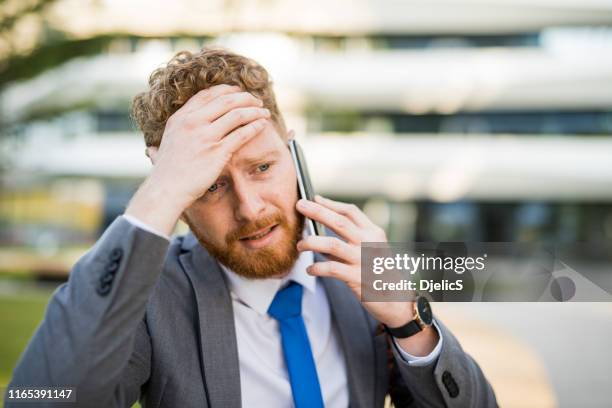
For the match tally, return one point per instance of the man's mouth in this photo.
(259, 234)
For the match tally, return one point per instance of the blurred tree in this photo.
(30, 44)
(21, 26)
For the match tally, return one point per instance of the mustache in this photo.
(254, 226)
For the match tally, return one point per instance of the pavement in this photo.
(538, 354)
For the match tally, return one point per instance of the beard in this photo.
(270, 261)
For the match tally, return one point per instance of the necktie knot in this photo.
(287, 303)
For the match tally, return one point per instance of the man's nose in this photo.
(250, 205)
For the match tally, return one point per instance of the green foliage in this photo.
(49, 55)
(19, 317)
(52, 48)
(19, 10)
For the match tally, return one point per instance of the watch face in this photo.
(424, 310)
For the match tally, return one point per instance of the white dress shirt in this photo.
(263, 373)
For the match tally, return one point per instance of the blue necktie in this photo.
(287, 309)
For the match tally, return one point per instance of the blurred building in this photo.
(445, 120)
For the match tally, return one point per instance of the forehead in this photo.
(268, 141)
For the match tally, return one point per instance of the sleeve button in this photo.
(111, 267)
(104, 289)
(106, 279)
(116, 254)
(450, 384)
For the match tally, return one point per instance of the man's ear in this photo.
(151, 153)
(290, 134)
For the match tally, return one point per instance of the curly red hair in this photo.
(188, 73)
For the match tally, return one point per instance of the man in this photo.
(245, 309)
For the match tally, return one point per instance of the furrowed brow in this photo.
(252, 160)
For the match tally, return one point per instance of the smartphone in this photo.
(304, 184)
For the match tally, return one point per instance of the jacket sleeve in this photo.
(93, 336)
(454, 380)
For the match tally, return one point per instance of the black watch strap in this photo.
(407, 330)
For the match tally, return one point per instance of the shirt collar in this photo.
(258, 294)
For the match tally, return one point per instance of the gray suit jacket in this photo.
(143, 319)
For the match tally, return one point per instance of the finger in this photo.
(338, 223)
(204, 96)
(331, 246)
(241, 136)
(225, 103)
(235, 118)
(151, 153)
(332, 269)
(350, 211)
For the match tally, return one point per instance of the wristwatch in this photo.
(423, 318)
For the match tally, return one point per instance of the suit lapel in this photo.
(356, 340)
(217, 334)
(218, 344)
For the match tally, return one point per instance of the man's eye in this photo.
(213, 188)
(263, 167)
